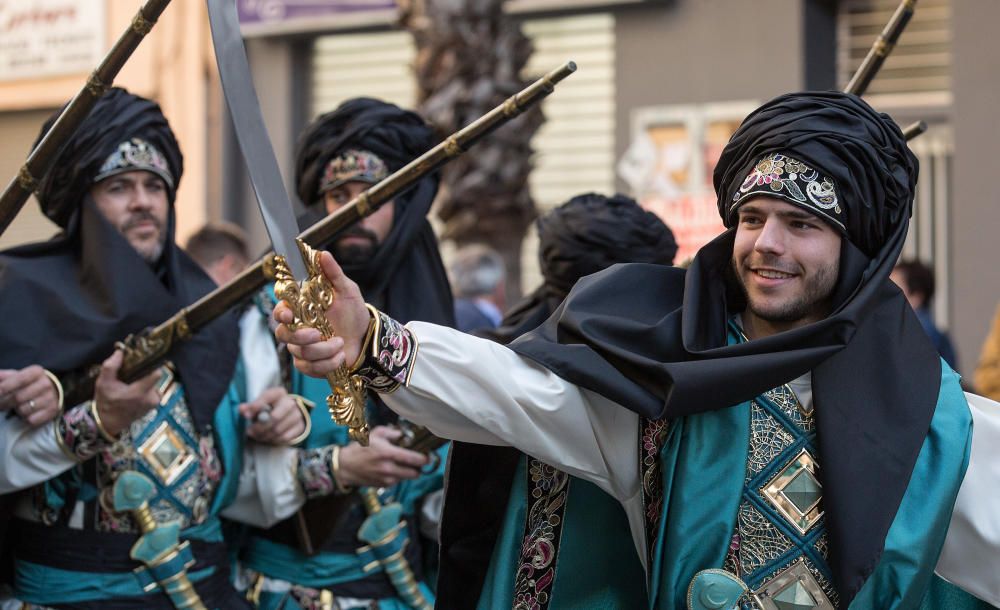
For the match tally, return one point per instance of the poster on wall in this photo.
(49, 38)
(669, 163)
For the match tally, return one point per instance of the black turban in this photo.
(120, 116)
(592, 232)
(587, 234)
(862, 151)
(69, 299)
(654, 339)
(405, 278)
(394, 135)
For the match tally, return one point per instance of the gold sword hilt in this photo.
(309, 300)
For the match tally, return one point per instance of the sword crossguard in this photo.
(309, 300)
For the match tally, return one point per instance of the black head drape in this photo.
(69, 299)
(586, 234)
(406, 277)
(654, 339)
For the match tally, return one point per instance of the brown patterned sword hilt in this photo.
(309, 300)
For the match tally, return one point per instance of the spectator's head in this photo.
(221, 250)
(478, 272)
(916, 280)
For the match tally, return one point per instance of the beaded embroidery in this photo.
(765, 544)
(548, 490)
(651, 435)
(779, 175)
(183, 493)
(135, 154)
(352, 166)
(315, 472)
(390, 362)
(78, 434)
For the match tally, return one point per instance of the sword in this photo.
(293, 258)
(165, 559)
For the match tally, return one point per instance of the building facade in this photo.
(661, 84)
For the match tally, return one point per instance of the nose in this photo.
(771, 239)
(142, 199)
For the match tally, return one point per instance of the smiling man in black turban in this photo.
(775, 424)
(393, 256)
(115, 270)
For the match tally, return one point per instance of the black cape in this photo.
(653, 339)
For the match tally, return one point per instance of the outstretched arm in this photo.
(971, 554)
(465, 388)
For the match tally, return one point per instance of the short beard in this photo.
(355, 253)
(152, 255)
(812, 302)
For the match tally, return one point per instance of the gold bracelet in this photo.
(372, 322)
(335, 468)
(305, 406)
(60, 395)
(92, 405)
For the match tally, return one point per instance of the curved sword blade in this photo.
(241, 97)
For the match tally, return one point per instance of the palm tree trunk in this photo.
(470, 56)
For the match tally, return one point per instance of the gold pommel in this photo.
(309, 301)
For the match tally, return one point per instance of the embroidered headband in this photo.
(135, 154)
(778, 175)
(352, 165)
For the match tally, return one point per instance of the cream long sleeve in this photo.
(470, 389)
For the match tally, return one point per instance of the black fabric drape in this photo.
(654, 339)
(69, 299)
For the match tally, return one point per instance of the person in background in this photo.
(987, 375)
(916, 280)
(220, 249)
(478, 275)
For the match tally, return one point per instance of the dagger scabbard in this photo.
(143, 355)
(40, 160)
(309, 300)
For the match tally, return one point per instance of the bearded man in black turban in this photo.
(776, 426)
(115, 270)
(393, 256)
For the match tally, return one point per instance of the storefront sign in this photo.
(261, 12)
(46, 38)
(669, 166)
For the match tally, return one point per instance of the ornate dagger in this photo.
(159, 549)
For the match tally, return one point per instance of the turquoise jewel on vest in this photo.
(714, 590)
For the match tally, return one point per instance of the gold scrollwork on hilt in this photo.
(309, 301)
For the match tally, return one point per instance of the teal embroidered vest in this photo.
(741, 493)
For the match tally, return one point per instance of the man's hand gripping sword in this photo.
(309, 301)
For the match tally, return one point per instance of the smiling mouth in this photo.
(771, 274)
